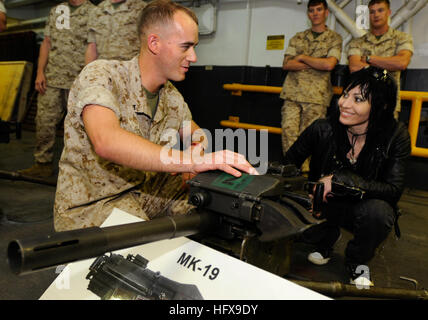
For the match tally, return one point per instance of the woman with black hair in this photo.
(359, 154)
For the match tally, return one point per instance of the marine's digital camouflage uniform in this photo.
(307, 93)
(2, 7)
(114, 29)
(66, 60)
(89, 187)
(392, 42)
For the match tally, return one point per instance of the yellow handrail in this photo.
(237, 88)
(241, 125)
(416, 97)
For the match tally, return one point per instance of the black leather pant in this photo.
(369, 220)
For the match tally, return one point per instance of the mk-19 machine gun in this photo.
(253, 217)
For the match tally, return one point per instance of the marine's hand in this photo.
(40, 83)
(225, 160)
(300, 58)
(185, 176)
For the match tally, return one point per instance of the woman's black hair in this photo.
(380, 89)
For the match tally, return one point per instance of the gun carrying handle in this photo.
(318, 196)
(317, 191)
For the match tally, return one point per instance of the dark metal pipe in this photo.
(33, 254)
(338, 289)
(17, 176)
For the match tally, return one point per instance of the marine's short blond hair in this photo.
(160, 12)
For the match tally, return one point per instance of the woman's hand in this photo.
(327, 191)
(327, 186)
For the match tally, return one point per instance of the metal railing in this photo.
(416, 97)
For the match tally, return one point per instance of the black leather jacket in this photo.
(379, 170)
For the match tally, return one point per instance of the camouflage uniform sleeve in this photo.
(50, 23)
(336, 47)
(96, 85)
(405, 42)
(91, 26)
(355, 47)
(291, 49)
(187, 115)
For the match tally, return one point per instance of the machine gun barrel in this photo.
(28, 255)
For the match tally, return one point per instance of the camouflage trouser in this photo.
(51, 108)
(296, 117)
(398, 106)
(161, 195)
(396, 114)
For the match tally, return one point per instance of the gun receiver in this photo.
(227, 207)
(249, 204)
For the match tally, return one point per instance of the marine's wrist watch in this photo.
(368, 59)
